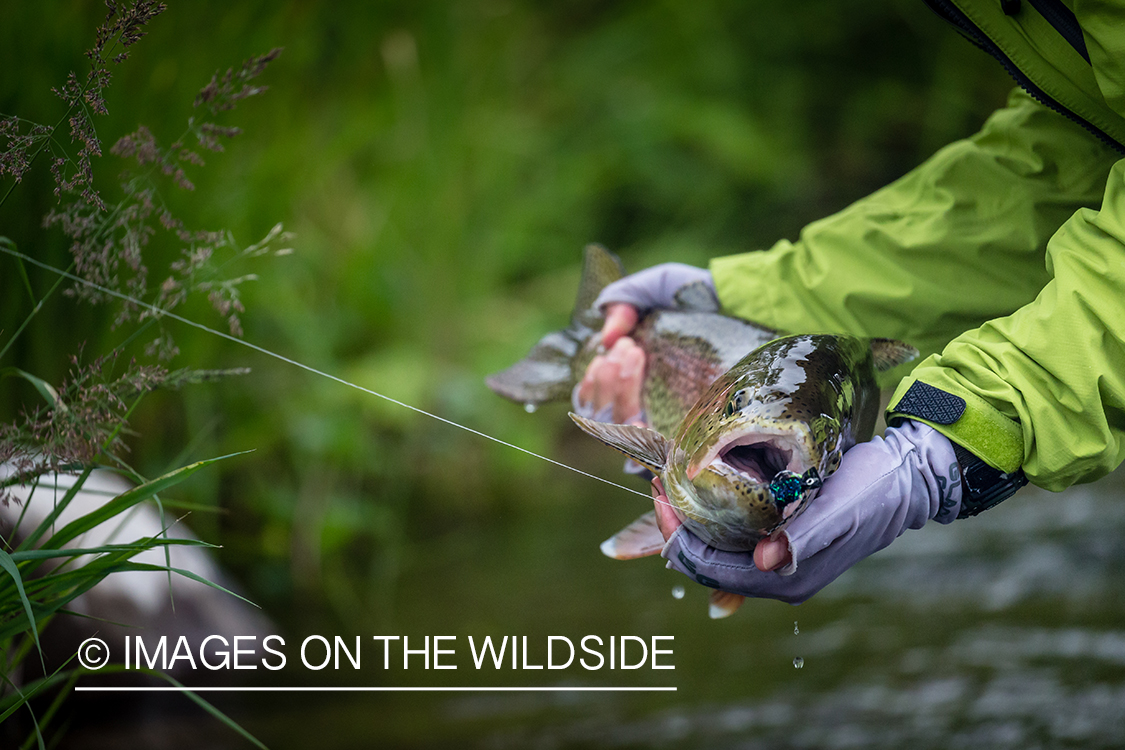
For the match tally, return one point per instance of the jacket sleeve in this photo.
(953, 250)
(954, 243)
(1045, 386)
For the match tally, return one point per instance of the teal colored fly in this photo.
(788, 486)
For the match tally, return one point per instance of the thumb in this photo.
(771, 554)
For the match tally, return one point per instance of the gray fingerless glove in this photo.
(654, 287)
(882, 488)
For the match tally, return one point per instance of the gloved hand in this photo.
(610, 391)
(882, 488)
(654, 287)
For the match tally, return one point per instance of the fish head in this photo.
(752, 452)
(758, 476)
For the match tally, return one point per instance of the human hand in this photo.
(611, 387)
(882, 488)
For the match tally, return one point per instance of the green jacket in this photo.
(951, 256)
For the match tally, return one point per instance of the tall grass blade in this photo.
(231, 723)
(12, 703)
(49, 554)
(128, 499)
(31, 539)
(49, 714)
(27, 282)
(187, 574)
(11, 247)
(46, 390)
(9, 566)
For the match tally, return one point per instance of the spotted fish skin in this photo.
(685, 351)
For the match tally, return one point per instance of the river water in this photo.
(1003, 631)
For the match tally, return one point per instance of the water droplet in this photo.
(530, 407)
(796, 630)
(798, 662)
(677, 592)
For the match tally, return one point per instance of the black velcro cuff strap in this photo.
(925, 401)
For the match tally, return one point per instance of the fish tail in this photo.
(548, 373)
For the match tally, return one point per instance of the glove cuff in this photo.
(982, 486)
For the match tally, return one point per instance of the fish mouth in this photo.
(760, 455)
(760, 461)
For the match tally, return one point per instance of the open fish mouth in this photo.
(760, 461)
(761, 454)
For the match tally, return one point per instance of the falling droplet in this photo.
(530, 407)
(798, 662)
(677, 592)
(796, 630)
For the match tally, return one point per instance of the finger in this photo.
(771, 554)
(627, 404)
(586, 387)
(620, 348)
(605, 383)
(620, 318)
(666, 519)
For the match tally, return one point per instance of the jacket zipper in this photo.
(951, 13)
(1059, 16)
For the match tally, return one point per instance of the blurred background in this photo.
(441, 165)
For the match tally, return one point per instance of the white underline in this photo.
(290, 689)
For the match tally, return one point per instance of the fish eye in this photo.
(736, 403)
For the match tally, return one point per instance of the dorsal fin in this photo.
(696, 297)
(600, 268)
(647, 447)
(890, 353)
(641, 538)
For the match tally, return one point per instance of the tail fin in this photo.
(547, 372)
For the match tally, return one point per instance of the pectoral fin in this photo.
(647, 447)
(641, 538)
(724, 604)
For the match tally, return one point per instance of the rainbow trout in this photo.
(745, 423)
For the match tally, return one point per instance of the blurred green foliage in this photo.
(442, 164)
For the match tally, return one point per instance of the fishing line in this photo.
(307, 368)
